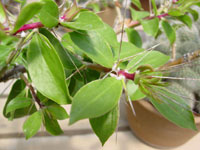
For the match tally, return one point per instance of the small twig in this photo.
(13, 73)
(36, 99)
(174, 51)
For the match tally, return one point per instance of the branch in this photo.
(13, 73)
(34, 95)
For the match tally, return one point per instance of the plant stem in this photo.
(13, 73)
(30, 26)
(130, 76)
(36, 99)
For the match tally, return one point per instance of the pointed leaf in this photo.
(151, 26)
(32, 124)
(154, 7)
(57, 112)
(94, 46)
(174, 108)
(52, 125)
(85, 20)
(127, 50)
(68, 60)
(194, 14)
(137, 3)
(49, 14)
(17, 103)
(104, 126)
(169, 31)
(95, 99)
(2, 14)
(26, 14)
(46, 70)
(186, 20)
(134, 92)
(138, 15)
(153, 58)
(16, 90)
(134, 37)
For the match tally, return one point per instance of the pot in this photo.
(155, 130)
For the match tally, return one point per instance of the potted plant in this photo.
(86, 67)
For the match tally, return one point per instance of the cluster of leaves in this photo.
(67, 71)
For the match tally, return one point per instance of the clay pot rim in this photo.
(146, 104)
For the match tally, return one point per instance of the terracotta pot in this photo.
(152, 128)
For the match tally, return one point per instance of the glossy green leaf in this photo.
(154, 7)
(108, 34)
(127, 50)
(2, 14)
(49, 14)
(26, 14)
(17, 103)
(46, 70)
(85, 20)
(186, 20)
(151, 26)
(51, 124)
(169, 31)
(104, 126)
(173, 107)
(134, 92)
(57, 112)
(134, 37)
(137, 3)
(95, 99)
(32, 124)
(16, 90)
(70, 45)
(2, 35)
(68, 60)
(138, 15)
(94, 46)
(153, 58)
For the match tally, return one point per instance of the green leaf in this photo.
(17, 103)
(4, 53)
(69, 44)
(169, 31)
(94, 46)
(57, 112)
(68, 60)
(153, 58)
(151, 26)
(32, 124)
(49, 14)
(51, 124)
(137, 3)
(134, 37)
(95, 99)
(3, 16)
(104, 126)
(16, 90)
(186, 20)
(134, 92)
(108, 34)
(85, 20)
(175, 12)
(194, 14)
(173, 107)
(127, 50)
(138, 15)
(46, 70)
(26, 14)
(154, 7)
